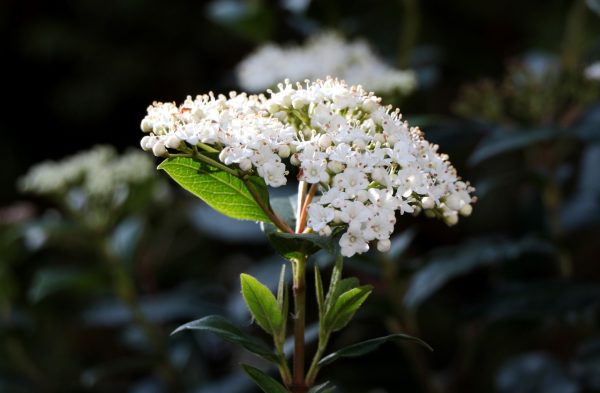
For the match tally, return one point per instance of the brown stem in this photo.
(309, 197)
(266, 208)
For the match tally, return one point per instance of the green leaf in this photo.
(505, 140)
(367, 346)
(322, 388)
(345, 307)
(262, 304)
(450, 262)
(290, 245)
(283, 302)
(227, 331)
(336, 275)
(343, 286)
(319, 290)
(51, 280)
(264, 382)
(222, 191)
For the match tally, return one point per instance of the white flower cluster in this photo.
(592, 72)
(366, 161)
(322, 55)
(98, 173)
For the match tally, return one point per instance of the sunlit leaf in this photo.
(344, 308)
(220, 190)
(262, 304)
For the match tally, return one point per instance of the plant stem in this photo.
(266, 208)
(299, 290)
(302, 217)
(311, 376)
(302, 188)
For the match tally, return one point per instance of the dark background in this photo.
(508, 298)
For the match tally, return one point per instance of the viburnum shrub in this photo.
(358, 166)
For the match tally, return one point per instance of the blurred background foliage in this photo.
(509, 298)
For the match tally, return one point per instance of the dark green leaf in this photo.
(262, 304)
(345, 307)
(220, 190)
(290, 245)
(265, 382)
(126, 236)
(364, 347)
(503, 141)
(448, 263)
(336, 275)
(51, 280)
(227, 331)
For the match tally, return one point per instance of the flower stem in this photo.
(266, 208)
(299, 291)
(302, 217)
(302, 188)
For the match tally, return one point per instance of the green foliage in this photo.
(264, 307)
(51, 280)
(449, 263)
(344, 307)
(220, 190)
(364, 347)
(227, 331)
(265, 382)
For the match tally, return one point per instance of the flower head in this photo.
(323, 54)
(366, 161)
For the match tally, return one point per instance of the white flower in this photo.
(592, 72)
(380, 226)
(351, 180)
(366, 162)
(315, 171)
(319, 216)
(322, 55)
(352, 243)
(274, 173)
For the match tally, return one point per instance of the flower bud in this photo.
(451, 219)
(466, 210)
(384, 245)
(325, 231)
(427, 202)
(324, 141)
(173, 142)
(146, 125)
(245, 164)
(284, 151)
(335, 166)
(370, 104)
(454, 201)
(294, 160)
(144, 143)
(159, 149)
